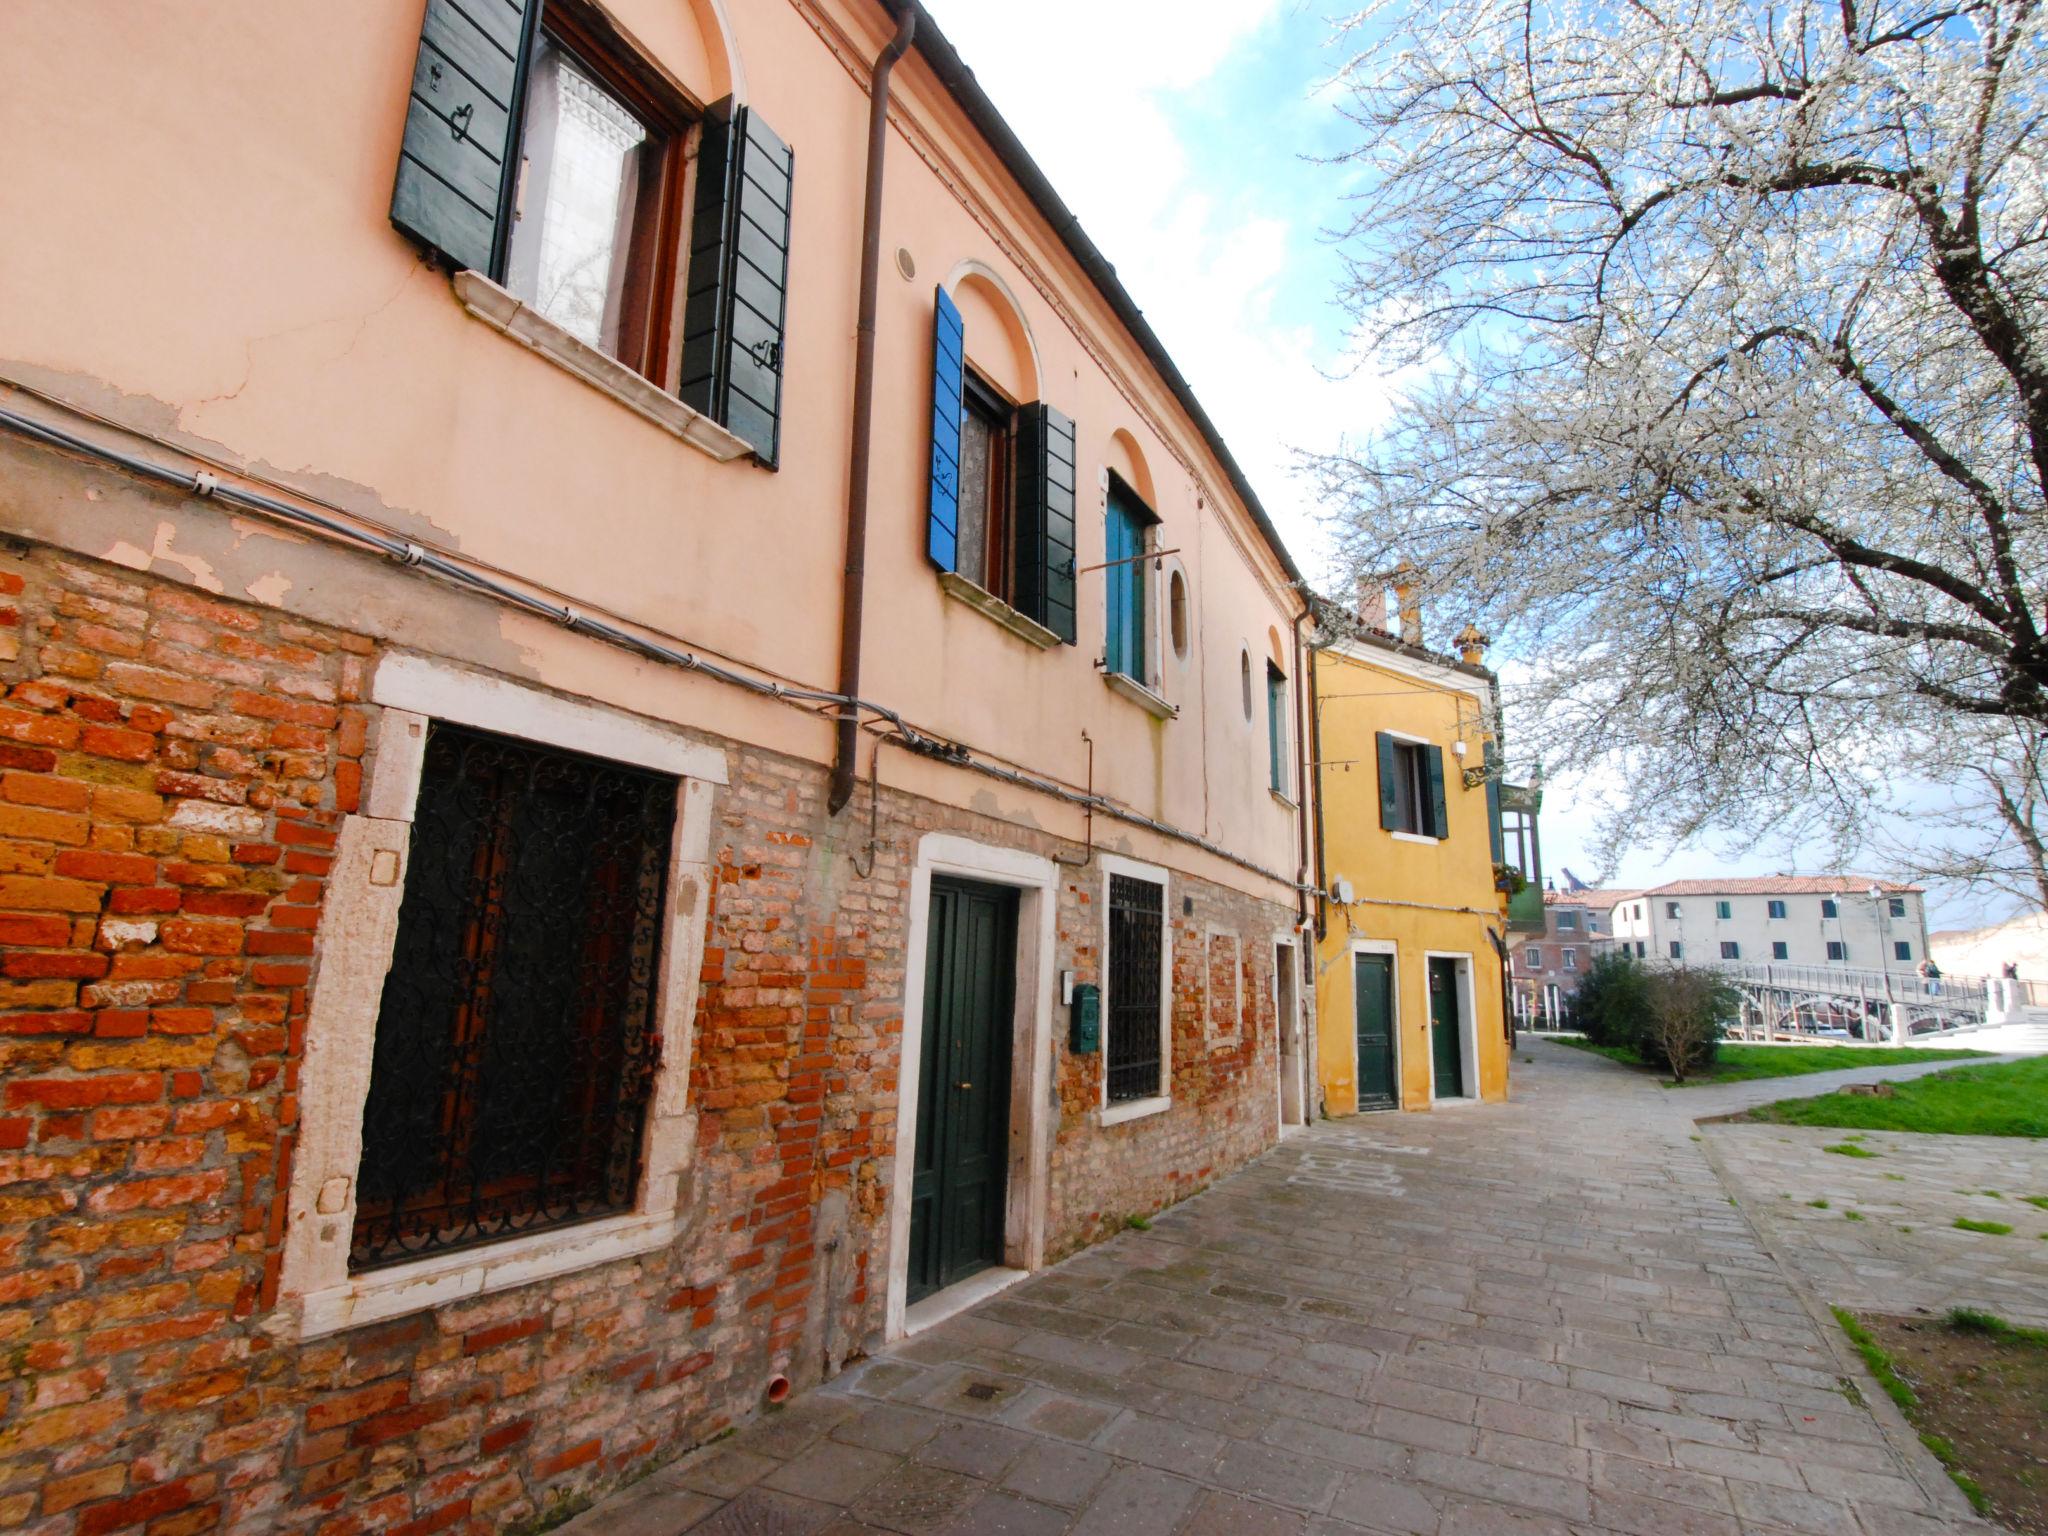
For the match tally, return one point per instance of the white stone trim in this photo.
(1392, 951)
(1287, 952)
(1412, 837)
(1468, 1024)
(1134, 1109)
(317, 1293)
(985, 602)
(1129, 687)
(607, 375)
(443, 692)
(1026, 1191)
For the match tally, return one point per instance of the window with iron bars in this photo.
(1137, 930)
(516, 1039)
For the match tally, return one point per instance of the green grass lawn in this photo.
(2008, 1098)
(1746, 1063)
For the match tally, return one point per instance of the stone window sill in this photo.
(1286, 799)
(1139, 695)
(985, 602)
(404, 1288)
(607, 375)
(1414, 837)
(1136, 1109)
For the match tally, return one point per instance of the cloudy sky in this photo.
(1184, 134)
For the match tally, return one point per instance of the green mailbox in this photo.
(1087, 1025)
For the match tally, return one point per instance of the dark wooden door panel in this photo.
(1373, 996)
(1446, 1050)
(963, 1119)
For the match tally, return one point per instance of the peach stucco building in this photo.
(513, 957)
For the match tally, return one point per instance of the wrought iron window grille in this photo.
(1137, 930)
(517, 1036)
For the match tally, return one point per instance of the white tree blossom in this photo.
(1734, 422)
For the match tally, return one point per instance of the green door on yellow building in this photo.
(1373, 990)
(1446, 1051)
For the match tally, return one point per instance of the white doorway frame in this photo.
(1036, 880)
(1468, 1026)
(1286, 989)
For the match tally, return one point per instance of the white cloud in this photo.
(1089, 86)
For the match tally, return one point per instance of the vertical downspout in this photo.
(1303, 783)
(1315, 747)
(845, 768)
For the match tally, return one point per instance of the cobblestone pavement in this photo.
(1525, 1320)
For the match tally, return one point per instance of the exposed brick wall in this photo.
(172, 772)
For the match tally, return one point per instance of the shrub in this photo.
(1687, 1012)
(1613, 1001)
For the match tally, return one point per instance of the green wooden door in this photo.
(963, 1090)
(1446, 1050)
(1373, 997)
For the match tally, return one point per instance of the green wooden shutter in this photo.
(454, 168)
(942, 525)
(735, 310)
(1045, 519)
(1440, 825)
(1390, 798)
(1491, 758)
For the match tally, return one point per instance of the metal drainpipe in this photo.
(1315, 754)
(1303, 784)
(845, 768)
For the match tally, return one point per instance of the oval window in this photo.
(1177, 613)
(1244, 677)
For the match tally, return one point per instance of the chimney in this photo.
(1408, 602)
(1472, 646)
(1372, 603)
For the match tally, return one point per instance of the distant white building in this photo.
(1851, 921)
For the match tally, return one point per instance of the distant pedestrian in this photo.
(1931, 974)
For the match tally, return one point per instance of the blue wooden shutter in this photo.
(735, 315)
(1045, 518)
(1440, 825)
(454, 168)
(942, 530)
(1390, 790)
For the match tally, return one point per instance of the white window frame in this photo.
(317, 1294)
(1421, 788)
(1568, 920)
(1532, 957)
(1568, 958)
(1137, 1109)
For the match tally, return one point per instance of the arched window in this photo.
(1177, 614)
(1244, 677)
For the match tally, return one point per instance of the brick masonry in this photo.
(173, 769)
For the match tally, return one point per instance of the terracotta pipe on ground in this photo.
(845, 767)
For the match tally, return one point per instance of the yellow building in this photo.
(1409, 965)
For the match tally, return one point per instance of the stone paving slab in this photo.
(1547, 1318)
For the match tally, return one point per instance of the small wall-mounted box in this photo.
(1085, 1037)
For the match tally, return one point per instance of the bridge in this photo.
(1781, 1002)
(1880, 1006)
